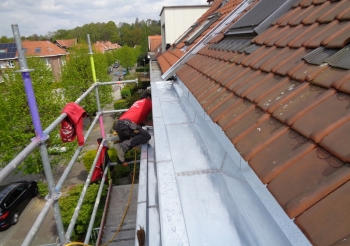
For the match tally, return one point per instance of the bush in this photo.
(120, 171)
(125, 93)
(88, 159)
(90, 155)
(133, 99)
(43, 189)
(113, 155)
(121, 104)
(69, 202)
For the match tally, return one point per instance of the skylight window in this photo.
(259, 18)
(211, 19)
(3, 50)
(37, 50)
(185, 34)
(50, 49)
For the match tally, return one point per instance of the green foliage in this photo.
(16, 127)
(70, 201)
(120, 171)
(121, 104)
(76, 78)
(88, 159)
(133, 99)
(125, 93)
(113, 155)
(43, 189)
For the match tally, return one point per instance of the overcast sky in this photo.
(43, 16)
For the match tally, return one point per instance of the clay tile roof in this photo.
(154, 42)
(67, 43)
(284, 103)
(42, 48)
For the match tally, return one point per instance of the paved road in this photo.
(47, 233)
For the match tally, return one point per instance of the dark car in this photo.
(14, 197)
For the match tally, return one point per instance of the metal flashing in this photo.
(207, 193)
(319, 55)
(341, 59)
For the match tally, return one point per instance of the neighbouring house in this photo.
(103, 47)
(53, 55)
(8, 55)
(155, 45)
(66, 43)
(175, 20)
(252, 129)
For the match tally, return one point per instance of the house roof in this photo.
(66, 43)
(154, 42)
(104, 46)
(42, 49)
(283, 102)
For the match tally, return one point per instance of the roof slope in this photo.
(284, 104)
(42, 48)
(66, 43)
(174, 53)
(154, 42)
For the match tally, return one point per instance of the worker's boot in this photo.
(122, 148)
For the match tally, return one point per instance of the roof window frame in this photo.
(204, 26)
(189, 30)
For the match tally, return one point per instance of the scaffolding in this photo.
(40, 142)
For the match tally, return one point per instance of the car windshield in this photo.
(5, 189)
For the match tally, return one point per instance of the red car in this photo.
(14, 197)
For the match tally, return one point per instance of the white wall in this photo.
(176, 20)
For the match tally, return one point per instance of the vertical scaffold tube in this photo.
(96, 88)
(39, 134)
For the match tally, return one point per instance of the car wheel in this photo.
(15, 218)
(35, 192)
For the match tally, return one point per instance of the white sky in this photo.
(43, 16)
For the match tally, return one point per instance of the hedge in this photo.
(68, 203)
(121, 104)
(88, 158)
(125, 92)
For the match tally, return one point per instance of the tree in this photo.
(17, 129)
(126, 56)
(76, 78)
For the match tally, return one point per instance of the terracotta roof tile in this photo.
(278, 155)
(42, 48)
(324, 118)
(328, 221)
(308, 181)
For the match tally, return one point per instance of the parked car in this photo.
(14, 197)
(116, 65)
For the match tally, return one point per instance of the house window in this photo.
(37, 50)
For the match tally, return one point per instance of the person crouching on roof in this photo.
(128, 127)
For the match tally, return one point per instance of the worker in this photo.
(128, 126)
